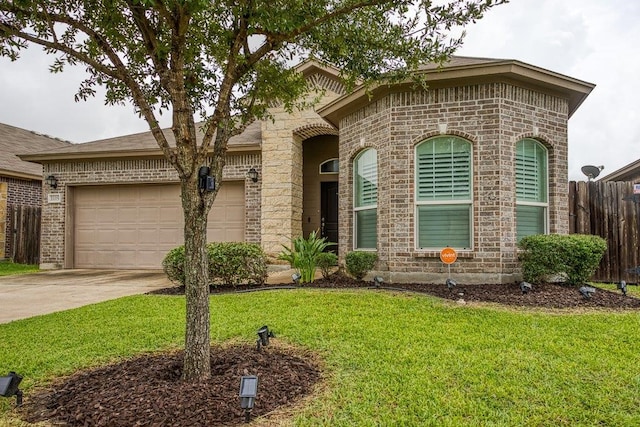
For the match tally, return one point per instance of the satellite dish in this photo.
(591, 172)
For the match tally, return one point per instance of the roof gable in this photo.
(13, 141)
(461, 70)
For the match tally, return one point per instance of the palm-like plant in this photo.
(303, 253)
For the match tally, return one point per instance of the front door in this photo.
(329, 213)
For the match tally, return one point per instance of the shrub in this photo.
(173, 265)
(303, 253)
(359, 263)
(325, 261)
(234, 263)
(229, 262)
(575, 257)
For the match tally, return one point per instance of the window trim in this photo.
(465, 202)
(544, 205)
(356, 209)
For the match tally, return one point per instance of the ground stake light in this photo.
(296, 278)
(9, 387)
(623, 287)
(587, 291)
(451, 284)
(248, 392)
(263, 337)
(378, 281)
(525, 287)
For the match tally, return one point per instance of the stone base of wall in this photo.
(461, 278)
(50, 266)
(3, 219)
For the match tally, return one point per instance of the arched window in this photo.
(330, 166)
(365, 199)
(532, 200)
(443, 179)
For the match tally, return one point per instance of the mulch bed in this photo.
(545, 295)
(148, 391)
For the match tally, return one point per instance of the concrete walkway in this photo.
(28, 295)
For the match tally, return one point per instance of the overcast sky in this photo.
(591, 40)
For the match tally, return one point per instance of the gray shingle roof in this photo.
(145, 141)
(14, 140)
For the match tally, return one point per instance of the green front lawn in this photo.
(390, 359)
(8, 268)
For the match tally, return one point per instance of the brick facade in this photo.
(139, 171)
(493, 117)
(15, 192)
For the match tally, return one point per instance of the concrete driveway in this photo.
(30, 295)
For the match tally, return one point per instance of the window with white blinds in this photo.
(365, 167)
(531, 188)
(443, 193)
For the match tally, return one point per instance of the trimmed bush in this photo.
(359, 263)
(575, 257)
(325, 261)
(235, 263)
(173, 265)
(229, 263)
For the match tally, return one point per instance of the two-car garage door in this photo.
(134, 226)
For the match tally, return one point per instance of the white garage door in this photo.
(134, 226)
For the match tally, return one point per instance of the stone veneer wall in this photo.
(131, 171)
(282, 183)
(493, 116)
(15, 192)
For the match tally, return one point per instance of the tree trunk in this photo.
(197, 364)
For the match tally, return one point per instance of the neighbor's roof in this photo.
(470, 70)
(625, 173)
(14, 140)
(139, 144)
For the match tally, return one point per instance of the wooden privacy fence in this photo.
(24, 232)
(599, 208)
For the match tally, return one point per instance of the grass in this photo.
(632, 290)
(8, 268)
(403, 360)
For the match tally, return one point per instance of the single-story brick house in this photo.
(20, 181)
(473, 162)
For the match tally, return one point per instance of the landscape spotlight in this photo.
(587, 291)
(248, 392)
(378, 281)
(525, 287)
(9, 386)
(263, 337)
(451, 284)
(623, 287)
(296, 278)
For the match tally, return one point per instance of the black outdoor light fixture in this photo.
(263, 337)
(587, 291)
(248, 392)
(451, 284)
(9, 387)
(378, 281)
(205, 181)
(623, 287)
(296, 278)
(52, 181)
(525, 287)
(253, 174)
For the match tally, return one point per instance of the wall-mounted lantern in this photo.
(52, 181)
(253, 174)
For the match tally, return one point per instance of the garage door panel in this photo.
(134, 226)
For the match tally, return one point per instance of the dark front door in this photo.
(329, 213)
